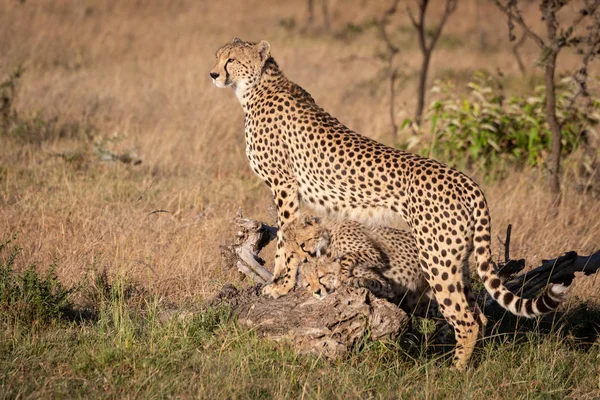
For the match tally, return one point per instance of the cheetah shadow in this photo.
(578, 328)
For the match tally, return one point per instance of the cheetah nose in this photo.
(214, 75)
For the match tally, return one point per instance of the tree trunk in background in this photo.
(326, 21)
(552, 48)
(422, 86)
(554, 160)
(311, 12)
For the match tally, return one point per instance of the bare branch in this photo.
(507, 243)
(311, 12)
(383, 22)
(420, 23)
(243, 253)
(426, 50)
(450, 8)
(393, 76)
(325, 11)
(412, 18)
(516, 53)
(516, 16)
(591, 43)
(392, 51)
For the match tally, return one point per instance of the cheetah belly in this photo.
(345, 201)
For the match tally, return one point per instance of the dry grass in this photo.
(137, 72)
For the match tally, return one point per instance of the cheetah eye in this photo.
(309, 252)
(230, 60)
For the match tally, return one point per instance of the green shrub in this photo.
(488, 130)
(29, 299)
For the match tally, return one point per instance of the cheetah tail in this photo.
(546, 302)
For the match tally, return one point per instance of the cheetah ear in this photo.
(237, 40)
(323, 244)
(305, 220)
(310, 220)
(264, 50)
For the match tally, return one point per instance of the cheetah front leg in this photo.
(285, 196)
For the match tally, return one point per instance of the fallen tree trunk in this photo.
(559, 270)
(326, 328)
(330, 327)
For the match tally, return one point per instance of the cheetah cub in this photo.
(330, 253)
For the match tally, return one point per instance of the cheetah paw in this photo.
(274, 290)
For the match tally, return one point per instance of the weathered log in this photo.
(251, 238)
(326, 328)
(558, 270)
(329, 327)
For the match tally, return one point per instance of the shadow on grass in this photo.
(578, 328)
(580, 325)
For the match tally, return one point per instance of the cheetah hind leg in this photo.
(468, 334)
(459, 312)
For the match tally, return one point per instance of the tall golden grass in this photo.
(137, 72)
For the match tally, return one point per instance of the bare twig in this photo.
(507, 243)
(325, 11)
(383, 22)
(516, 53)
(514, 14)
(509, 267)
(252, 237)
(158, 211)
(393, 76)
(391, 69)
(311, 11)
(427, 48)
(310, 6)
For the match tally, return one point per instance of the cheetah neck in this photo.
(250, 92)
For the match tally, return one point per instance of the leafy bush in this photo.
(29, 299)
(487, 130)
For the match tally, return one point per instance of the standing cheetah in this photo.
(303, 153)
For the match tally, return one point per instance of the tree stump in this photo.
(326, 328)
(331, 326)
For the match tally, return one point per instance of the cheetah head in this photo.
(239, 64)
(306, 236)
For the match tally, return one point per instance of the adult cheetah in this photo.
(303, 153)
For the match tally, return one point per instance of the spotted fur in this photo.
(303, 153)
(336, 252)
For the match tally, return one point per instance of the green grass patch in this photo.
(30, 299)
(211, 356)
(127, 349)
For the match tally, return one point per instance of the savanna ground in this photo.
(132, 78)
